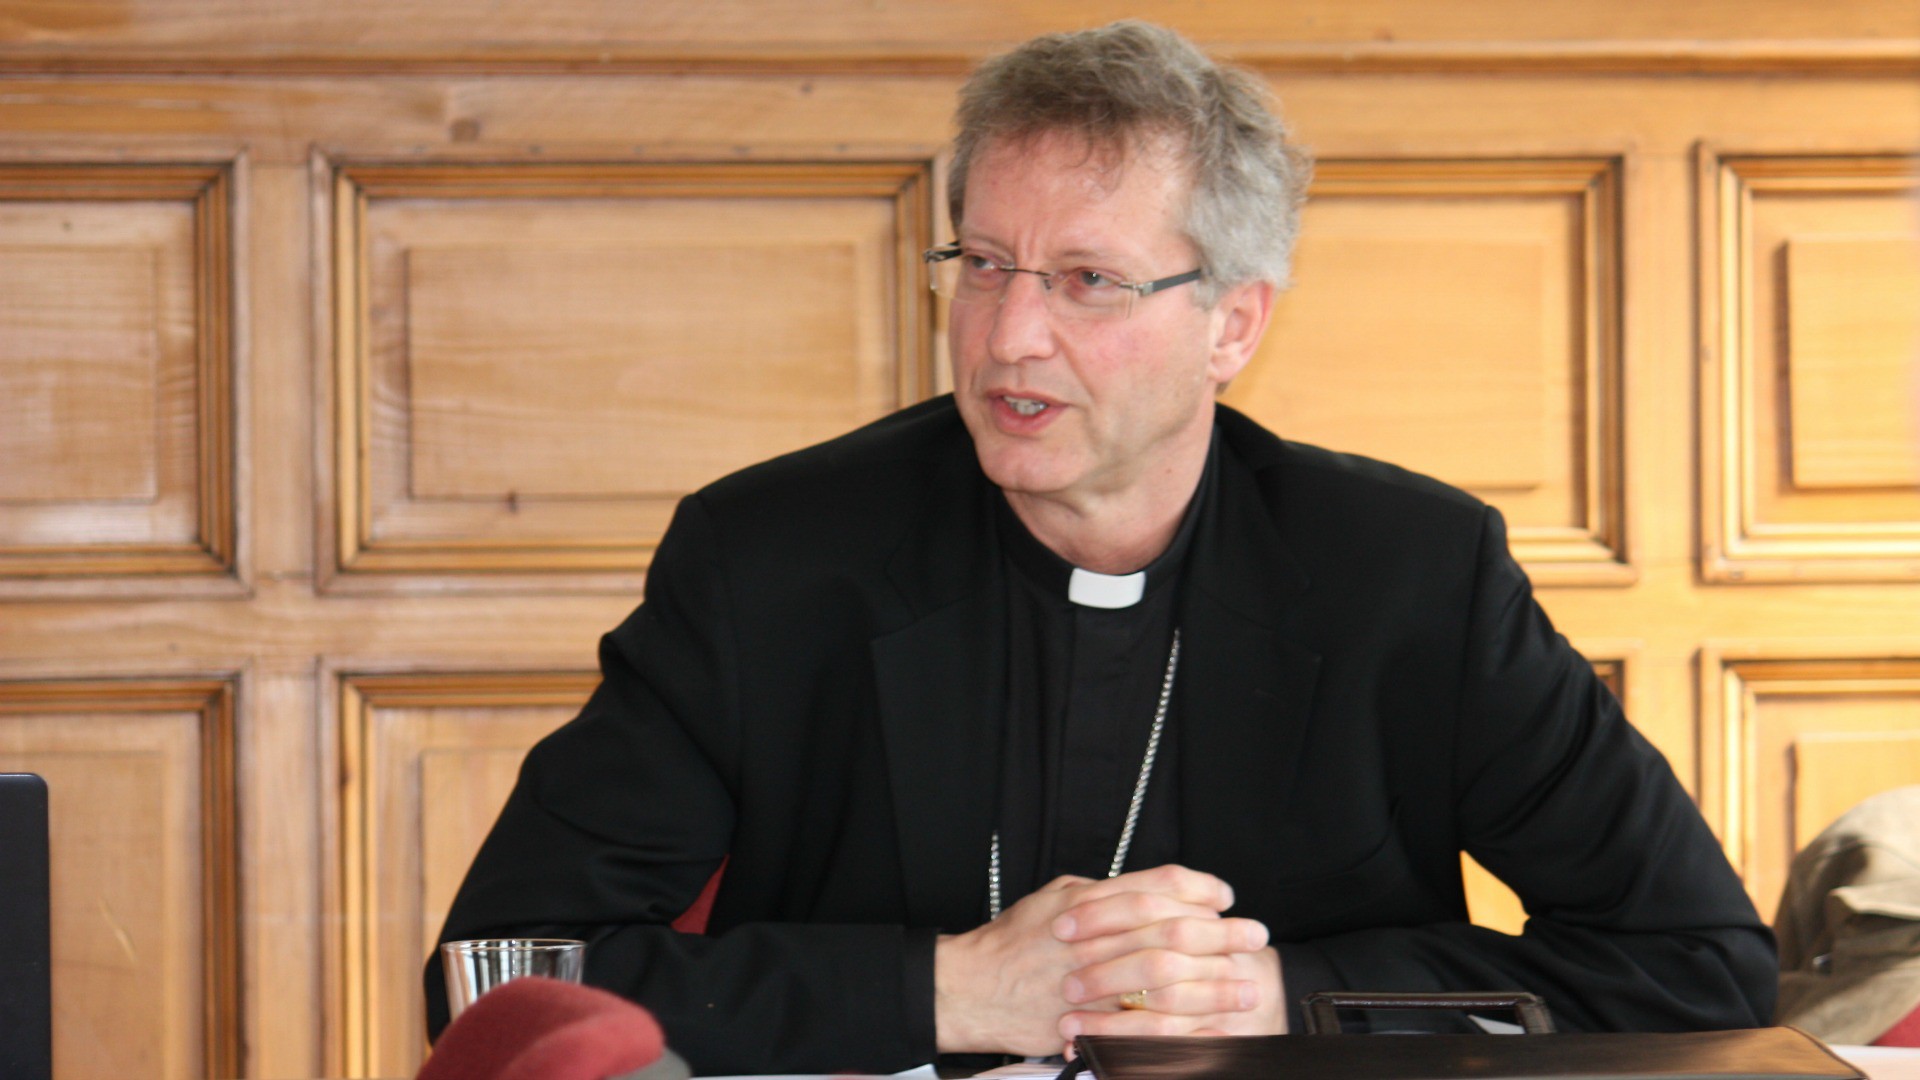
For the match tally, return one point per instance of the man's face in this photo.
(1118, 400)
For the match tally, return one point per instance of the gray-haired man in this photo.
(1076, 702)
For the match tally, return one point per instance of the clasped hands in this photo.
(1055, 965)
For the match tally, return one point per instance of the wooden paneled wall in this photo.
(352, 358)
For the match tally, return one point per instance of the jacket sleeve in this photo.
(619, 819)
(1636, 921)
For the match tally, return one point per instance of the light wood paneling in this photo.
(1812, 463)
(427, 760)
(140, 786)
(1461, 318)
(78, 372)
(1802, 739)
(534, 363)
(674, 36)
(1853, 339)
(610, 376)
(116, 414)
(1833, 771)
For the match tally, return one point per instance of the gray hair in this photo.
(1130, 81)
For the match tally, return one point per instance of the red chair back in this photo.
(1904, 1033)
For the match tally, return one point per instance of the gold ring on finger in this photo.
(1133, 999)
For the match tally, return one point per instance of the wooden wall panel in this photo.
(428, 761)
(116, 415)
(1833, 771)
(536, 362)
(837, 35)
(1460, 318)
(1852, 339)
(80, 378)
(140, 787)
(1813, 438)
(1801, 740)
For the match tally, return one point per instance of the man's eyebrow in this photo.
(1087, 254)
(1095, 255)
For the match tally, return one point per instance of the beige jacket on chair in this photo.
(1849, 923)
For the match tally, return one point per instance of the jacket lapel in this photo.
(1245, 690)
(940, 680)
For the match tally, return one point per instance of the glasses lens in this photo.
(945, 275)
(1091, 294)
(970, 279)
(1080, 295)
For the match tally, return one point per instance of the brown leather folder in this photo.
(1776, 1053)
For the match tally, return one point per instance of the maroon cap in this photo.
(544, 1029)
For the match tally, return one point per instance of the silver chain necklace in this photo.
(1133, 804)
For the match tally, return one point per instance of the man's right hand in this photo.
(999, 987)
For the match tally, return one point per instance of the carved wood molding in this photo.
(1807, 57)
(213, 701)
(1613, 672)
(1749, 784)
(1590, 547)
(356, 557)
(1756, 524)
(61, 567)
(367, 1029)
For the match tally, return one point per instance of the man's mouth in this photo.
(1024, 406)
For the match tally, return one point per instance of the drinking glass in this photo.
(475, 967)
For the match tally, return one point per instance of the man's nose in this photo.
(1023, 323)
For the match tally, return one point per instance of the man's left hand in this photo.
(1181, 983)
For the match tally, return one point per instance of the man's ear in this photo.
(1238, 322)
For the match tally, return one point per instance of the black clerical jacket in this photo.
(813, 688)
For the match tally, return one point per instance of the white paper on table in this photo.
(924, 1072)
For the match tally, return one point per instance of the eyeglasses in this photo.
(1082, 292)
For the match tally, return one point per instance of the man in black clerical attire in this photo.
(1074, 702)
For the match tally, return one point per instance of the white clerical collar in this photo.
(1089, 589)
